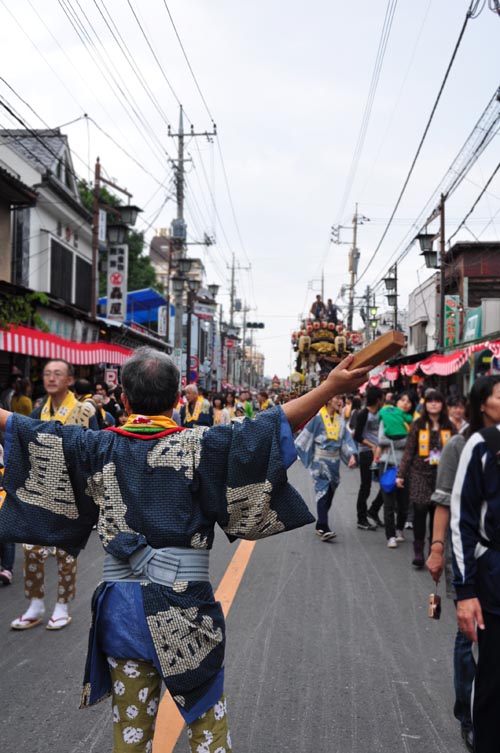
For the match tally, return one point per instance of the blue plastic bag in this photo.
(388, 479)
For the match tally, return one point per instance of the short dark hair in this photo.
(373, 395)
(82, 387)
(150, 380)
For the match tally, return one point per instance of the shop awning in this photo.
(436, 363)
(32, 342)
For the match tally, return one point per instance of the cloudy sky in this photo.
(287, 85)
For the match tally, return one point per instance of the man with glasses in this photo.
(61, 405)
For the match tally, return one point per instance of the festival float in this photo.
(320, 346)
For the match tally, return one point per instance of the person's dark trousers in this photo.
(485, 710)
(323, 506)
(365, 462)
(395, 511)
(464, 669)
(7, 556)
(420, 515)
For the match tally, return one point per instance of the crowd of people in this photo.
(433, 460)
(436, 461)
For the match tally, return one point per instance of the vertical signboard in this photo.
(162, 321)
(451, 320)
(117, 283)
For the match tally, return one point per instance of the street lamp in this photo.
(391, 285)
(129, 213)
(426, 241)
(213, 290)
(431, 259)
(116, 233)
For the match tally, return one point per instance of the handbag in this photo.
(388, 477)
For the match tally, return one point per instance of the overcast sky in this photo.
(287, 85)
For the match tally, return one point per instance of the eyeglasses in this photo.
(56, 374)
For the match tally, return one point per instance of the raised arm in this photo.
(339, 381)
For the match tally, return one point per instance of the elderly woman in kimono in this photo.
(321, 445)
(155, 491)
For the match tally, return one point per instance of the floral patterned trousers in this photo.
(136, 698)
(34, 573)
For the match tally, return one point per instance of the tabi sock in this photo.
(35, 610)
(60, 610)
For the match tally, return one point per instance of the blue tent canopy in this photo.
(142, 306)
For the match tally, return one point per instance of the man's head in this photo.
(374, 397)
(82, 387)
(58, 377)
(150, 381)
(191, 393)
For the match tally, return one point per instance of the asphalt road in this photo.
(330, 650)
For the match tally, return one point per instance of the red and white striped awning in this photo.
(32, 342)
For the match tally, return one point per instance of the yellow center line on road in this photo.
(169, 723)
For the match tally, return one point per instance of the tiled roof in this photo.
(41, 150)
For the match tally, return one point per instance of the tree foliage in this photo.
(21, 309)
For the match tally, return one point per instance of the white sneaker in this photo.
(400, 536)
(392, 543)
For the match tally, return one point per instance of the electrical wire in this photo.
(382, 46)
(155, 56)
(422, 140)
(187, 61)
(123, 47)
(124, 100)
(471, 210)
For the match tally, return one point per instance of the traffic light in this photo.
(255, 325)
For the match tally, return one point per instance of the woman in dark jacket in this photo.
(428, 435)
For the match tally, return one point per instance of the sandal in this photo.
(59, 623)
(25, 623)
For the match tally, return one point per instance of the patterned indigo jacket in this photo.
(165, 491)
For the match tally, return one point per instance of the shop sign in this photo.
(117, 273)
(162, 321)
(451, 320)
(111, 376)
(472, 324)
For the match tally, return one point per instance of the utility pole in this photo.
(179, 225)
(358, 219)
(367, 315)
(353, 269)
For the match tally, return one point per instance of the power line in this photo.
(188, 63)
(424, 136)
(115, 32)
(125, 100)
(155, 56)
(485, 188)
(382, 46)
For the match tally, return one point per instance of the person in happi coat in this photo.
(61, 405)
(155, 492)
(197, 410)
(323, 442)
